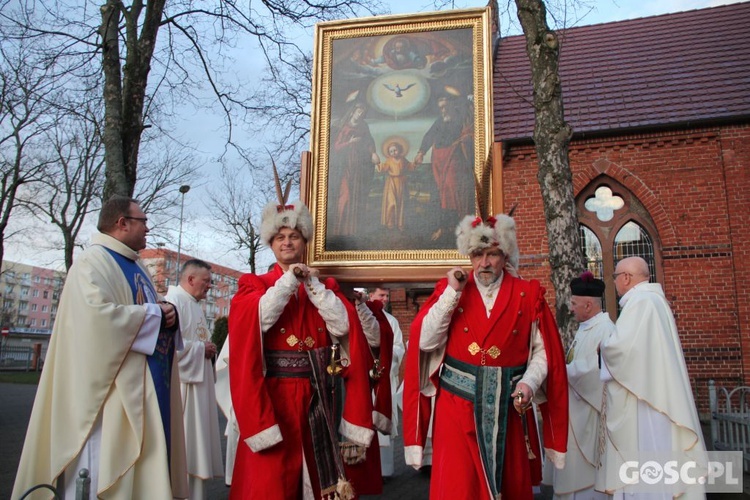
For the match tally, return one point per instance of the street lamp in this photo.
(183, 190)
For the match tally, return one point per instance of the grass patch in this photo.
(19, 377)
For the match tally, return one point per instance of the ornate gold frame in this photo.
(423, 40)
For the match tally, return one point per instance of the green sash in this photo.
(489, 389)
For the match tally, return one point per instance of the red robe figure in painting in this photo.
(276, 321)
(353, 162)
(451, 139)
(497, 343)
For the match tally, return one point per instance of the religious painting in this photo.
(400, 131)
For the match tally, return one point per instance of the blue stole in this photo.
(160, 362)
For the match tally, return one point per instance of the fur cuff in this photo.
(557, 458)
(382, 423)
(264, 439)
(355, 433)
(413, 456)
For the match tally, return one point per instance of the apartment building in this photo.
(162, 264)
(29, 295)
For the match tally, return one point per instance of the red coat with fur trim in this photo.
(519, 304)
(262, 402)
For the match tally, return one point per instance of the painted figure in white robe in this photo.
(385, 441)
(649, 408)
(200, 412)
(109, 399)
(576, 480)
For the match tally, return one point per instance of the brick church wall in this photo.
(694, 185)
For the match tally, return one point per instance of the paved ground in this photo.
(15, 407)
(16, 401)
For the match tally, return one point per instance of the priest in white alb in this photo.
(108, 400)
(649, 410)
(576, 480)
(199, 409)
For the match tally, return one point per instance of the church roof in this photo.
(662, 71)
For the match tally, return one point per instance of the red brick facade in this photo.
(666, 126)
(694, 185)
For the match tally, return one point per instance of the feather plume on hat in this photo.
(484, 231)
(294, 215)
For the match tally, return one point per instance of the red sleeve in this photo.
(382, 390)
(357, 410)
(555, 409)
(252, 405)
(417, 408)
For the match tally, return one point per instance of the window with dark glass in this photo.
(614, 224)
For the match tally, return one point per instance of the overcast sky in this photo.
(208, 138)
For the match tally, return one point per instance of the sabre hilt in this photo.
(335, 366)
(376, 371)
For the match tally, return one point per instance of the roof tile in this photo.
(648, 72)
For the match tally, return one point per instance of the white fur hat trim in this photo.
(294, 215)
(474, 234)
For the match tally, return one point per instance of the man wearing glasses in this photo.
(109, 399)
(649, 407)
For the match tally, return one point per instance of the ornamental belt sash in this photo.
(288, 364)
(325, 407)
(489, 389)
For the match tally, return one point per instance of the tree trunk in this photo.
(551, 138)
(115, 178)
(253, 248)
(68, 250)
(125, 88)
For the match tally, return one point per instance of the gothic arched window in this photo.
(614, 224)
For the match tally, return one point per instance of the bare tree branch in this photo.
(73, 185)
(237, 215)
(552, 136)
(25, 94)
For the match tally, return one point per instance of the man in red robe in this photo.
(280, 324)
(488, 345)
(366, 477)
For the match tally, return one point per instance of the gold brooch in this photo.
(474, 348)
(493, 352)
(292, 340)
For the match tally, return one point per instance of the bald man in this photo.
(649, 411)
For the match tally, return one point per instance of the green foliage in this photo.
(221, 330)
(19, 377)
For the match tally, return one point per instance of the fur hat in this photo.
(294, 215)
(499, 231)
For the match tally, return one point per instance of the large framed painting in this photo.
(401, 133)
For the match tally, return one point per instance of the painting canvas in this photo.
(400, 130)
